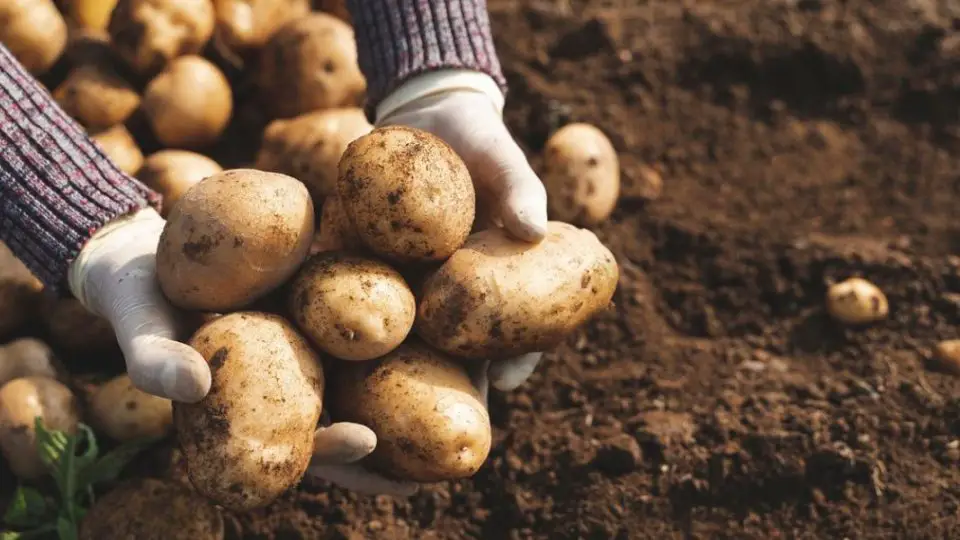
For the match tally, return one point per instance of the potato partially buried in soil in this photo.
(498, 297)
(430, 421)
(21, 402)
(581, 175)
(251, 438)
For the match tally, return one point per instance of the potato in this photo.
(26, 357)
(76, 330)
(90, 14)
(337, 8)
(408, 195)
(309, 146)
(124, 412)
(251, 437)
(96, 96)
(120, 147)
(189, 104)
(946, 355)
(645, 183)
(21, 401)
(151, 509)
(247, 24)
(149, 34)
(856, 301)
(20, 293)
(34, 32)
(498, 297)
(172, 172)
(581, 175)
(232, 238)
(352, 307)
(336, 232)
(309, 64)
(430, 421)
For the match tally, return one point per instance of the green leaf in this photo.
(27, 508)
(109, 467)
(10, 535)
(90, 449)
(66, 529)
(51, 444)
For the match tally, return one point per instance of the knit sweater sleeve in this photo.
(397, 39)
(57, 187)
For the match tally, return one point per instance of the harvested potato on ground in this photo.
(151, 509)
(581, 175)
(430, 421)
(34, 32)
(498, 297)
(248, 24)
(335, 233)
(76, 330)
(232, 238)
(172, 172)
(856, 301)
(20, 293)
(251, 438)
(97, 96)
(149, 34)
(90, 14)
(947, 356)
(27, 357)
(124, 412)
(352, 307)
(309, 146)
(408, 195)
(189, 104)
(644, 184)
(120, 147)
(310, 64)
(21, 401)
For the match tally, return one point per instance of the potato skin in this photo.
(172, 172)
(151, 509)
(251, 437)
(20, 293)
(247, 24)
(581, 175)
(498, 297)
(97, 96)
(21, 401)
(232, 238)
(408, 195)
(34, 31)
(148, 34)
(25, 357)
(352, 307)
(430, 421)
(124, 412)
(121, 148)
(335, 233)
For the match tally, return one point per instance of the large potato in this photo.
(151, 509)
(581, 175)
(124, 412)
(335, 233)
(96, 96)
(251, 437)
(34, 32)
(21, 402)
(148, 34)
(310, 64)
(232, 238)
(120, 146)
(247, 24)
(498, 297)
(352, 307)
(430, 421)
(20, 293)
(309, 146)
(172, 172)
(189, 104)
(407, 193)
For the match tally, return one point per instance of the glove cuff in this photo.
(440, 82)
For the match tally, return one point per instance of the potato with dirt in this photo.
(581, 175)
(34, 31)
(251, 438)
(121, 148)
(25, 357)
(335, 233)
(189, 104)
(351, 307)
(309, 147)
(310, 64)
(408, 195)
(431, 422)
(172, 172)
(97, 96)
(149, 34)
(151, 509)
(20, 293)
(22, 400)
(244, 25)
(124, 413)
(498, 297)
(232, 238)
(76, 330)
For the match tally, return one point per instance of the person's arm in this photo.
(57, 188)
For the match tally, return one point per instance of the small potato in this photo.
(172, 172)
(251, 438)
(408, 195)
(26, 357)
(310, 64)
(309, 146)
(149, 34)
(498, 297)
(431, 423)
(20, 293)
(121, 148)
(232, 238)
(151, 509)
(21, 402)
(856, 301)
(947, 356)
(352, 307)
(77, 331)
(34, 32)
(189, 104)
(96, 96)
(247, 24)
(645, 184)
(90, 14)
(336, 232)
(581, 175)
(124, 412)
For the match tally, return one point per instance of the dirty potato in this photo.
(431, 423)
(124, 412)
(247, 24)
(189, 104)
(76, 330)
(21, 402)
(20, 293)
(148, 34)
(251, 438)
(120, 147)
(97, 96)
(581, 175)
(34, 32)
(498, 297)
(335, 233)
(856, 301)
(172, 172)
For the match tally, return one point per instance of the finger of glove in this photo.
(360, 480)
(342, 443)
(508, 374)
